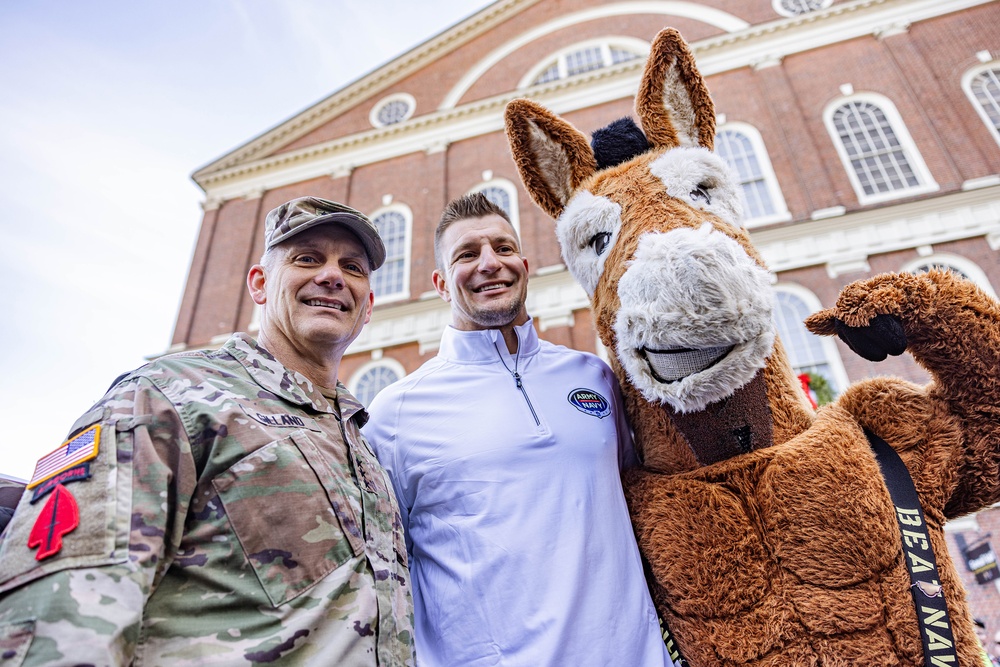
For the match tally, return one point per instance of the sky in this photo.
(107, 108)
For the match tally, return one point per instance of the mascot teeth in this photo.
(672, 365)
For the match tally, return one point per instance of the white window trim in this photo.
(966, 266)
(670, 8)
(411, 104)
(638, 46)
(407, 214)
(828, 342)
(387, 362)
(511, 190)
(781, 213)
(967, 87)
(923, 174)
(784, 12)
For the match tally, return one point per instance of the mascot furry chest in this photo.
(770, 532)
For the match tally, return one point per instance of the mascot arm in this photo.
(952, 329)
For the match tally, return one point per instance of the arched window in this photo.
(392, 109)
(880, 157)
(498, 196)
(982, 85)
(372, 378)
(807, 352)
(742, 147)
(503, 193)
(391, 280)
(797, 7)
(584, 57)
(958, 265)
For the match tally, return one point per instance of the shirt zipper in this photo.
(517, 376)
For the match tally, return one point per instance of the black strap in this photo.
(668, 638)
(672, 648)
(928, 597)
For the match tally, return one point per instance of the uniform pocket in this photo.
(15, 640)
(292, 517)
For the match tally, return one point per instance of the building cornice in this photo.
(379, 79)
(845, 243)
(420, 134)
(234, 177)
(773, 41)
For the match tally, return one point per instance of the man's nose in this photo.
(330, 275)
(489, 261)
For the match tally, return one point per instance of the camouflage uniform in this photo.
(225, 522)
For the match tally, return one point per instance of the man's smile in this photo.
(326, 303)
(490, 287)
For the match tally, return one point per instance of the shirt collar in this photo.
(294, 387)
(482, 345)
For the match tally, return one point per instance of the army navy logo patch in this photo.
(590, 402)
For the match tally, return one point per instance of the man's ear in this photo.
(441, 284)
(369, 306)
(255, 284)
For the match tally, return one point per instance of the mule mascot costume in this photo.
(771, 534)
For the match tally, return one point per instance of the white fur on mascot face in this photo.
(695, 321)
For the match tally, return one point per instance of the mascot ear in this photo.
(552, 157)
(673, 103)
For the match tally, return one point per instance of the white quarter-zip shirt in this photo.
(506, 469)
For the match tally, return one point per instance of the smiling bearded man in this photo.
(504, 451)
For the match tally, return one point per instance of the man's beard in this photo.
(498, 316)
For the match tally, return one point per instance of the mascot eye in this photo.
(701, 192)
(599, 242)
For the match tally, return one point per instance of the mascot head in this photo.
(648, 220)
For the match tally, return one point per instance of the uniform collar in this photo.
(482, 345)
(294, 387)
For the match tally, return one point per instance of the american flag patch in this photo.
(74, 451)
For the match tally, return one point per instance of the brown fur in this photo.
(659, 105)
(557, 168)
(788, 554)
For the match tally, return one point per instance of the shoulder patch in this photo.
(78, 449)
(74, 474)
(589, 402)
(60, 515)
(86, 527)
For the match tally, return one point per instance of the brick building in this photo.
(866, 134)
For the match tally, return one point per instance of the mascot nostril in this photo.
(772, 535)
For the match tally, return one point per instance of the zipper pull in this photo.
(517, 379)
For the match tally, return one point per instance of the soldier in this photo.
(221, 507)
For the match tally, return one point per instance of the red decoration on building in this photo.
(804, 379)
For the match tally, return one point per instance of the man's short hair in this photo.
(472, 205)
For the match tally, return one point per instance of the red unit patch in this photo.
(60, 515)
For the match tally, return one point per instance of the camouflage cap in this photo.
(305, 213)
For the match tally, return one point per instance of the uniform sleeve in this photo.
(86, 546)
